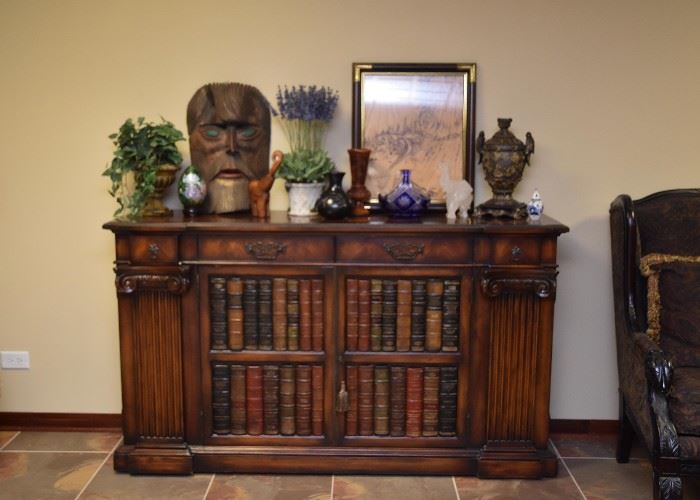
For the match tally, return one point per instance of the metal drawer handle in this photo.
(153, 250)
(265, 250)
(404, 251)
(516, 254)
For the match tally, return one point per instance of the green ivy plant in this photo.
(141, 148)
(305, 165)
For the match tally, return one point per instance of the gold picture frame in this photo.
(415, 116)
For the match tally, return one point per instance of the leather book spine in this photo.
(279, 314)
(317, 400)
(303, 400)
(238, 400)
(418, 307)
(363, 317)
(305, 315)
(381, 400)
(403, 316)
(250, 314)
(433, 316)
(287, 400)
(389, 315)
(265, 314)
(375, 315)
(217, 312)
(397, 423)
(254, 399)
(271, 399)
(317, 315)
(365, 399)
(352, 415)
(351, 313)
(448, 401)
(234, 313)
(293, 314)
(221, 399)
(431, 391)
(450, 316)
(414, 401)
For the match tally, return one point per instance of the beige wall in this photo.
(610, 91)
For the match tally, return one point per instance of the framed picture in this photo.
(417, 117)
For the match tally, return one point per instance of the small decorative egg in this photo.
(191, 189)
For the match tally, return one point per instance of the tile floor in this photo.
(79, 465)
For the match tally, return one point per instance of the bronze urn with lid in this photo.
(504, 157)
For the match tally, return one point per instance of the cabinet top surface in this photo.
(282, 222)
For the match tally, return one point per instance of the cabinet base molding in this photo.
(517, 461)
(490, 462)
(176, 460)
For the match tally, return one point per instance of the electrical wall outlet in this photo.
(14, 360)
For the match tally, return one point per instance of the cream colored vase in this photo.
(303, 197)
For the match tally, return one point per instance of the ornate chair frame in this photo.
(645, 372)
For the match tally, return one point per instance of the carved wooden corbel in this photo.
(136, 280)
(541, 282)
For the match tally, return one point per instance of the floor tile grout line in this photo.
(2, 448)
(206, 492)
(563, 462)
(97, 471)
(332, 485)
(454, 483)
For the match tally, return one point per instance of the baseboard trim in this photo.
(113, 421)
(569, 426)
(60, 421)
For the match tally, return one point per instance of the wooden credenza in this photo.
(336, 347)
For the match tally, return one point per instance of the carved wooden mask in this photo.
(229, 129)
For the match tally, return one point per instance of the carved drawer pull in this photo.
(153, 250)
(265, 250)
(516, 253)
(404, 251)
(342, 403)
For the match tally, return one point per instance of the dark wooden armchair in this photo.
(656, 286)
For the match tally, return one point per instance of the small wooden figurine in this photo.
(259, 189)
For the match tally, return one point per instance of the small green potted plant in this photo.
(305, 114)
(145, 161)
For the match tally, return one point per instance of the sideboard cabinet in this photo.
(336, 347)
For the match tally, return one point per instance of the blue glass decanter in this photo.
(407, 200)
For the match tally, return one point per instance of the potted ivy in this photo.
(145, 161)
(305, 114)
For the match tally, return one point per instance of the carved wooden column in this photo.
(152, 369)
(520, 346)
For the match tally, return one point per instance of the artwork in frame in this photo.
(418, 117)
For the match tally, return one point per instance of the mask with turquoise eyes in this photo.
(229, 127)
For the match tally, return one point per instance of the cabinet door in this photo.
(266, 355)
(404, 340)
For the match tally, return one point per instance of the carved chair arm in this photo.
(658, 372)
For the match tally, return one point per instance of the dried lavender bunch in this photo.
(305, 113)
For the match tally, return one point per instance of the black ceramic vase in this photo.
(334, 203)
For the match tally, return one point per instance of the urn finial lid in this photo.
(504, 123)
(504, 140)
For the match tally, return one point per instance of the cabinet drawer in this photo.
(520, 250)
(404, 250)
(264, 248)
(153, 249)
